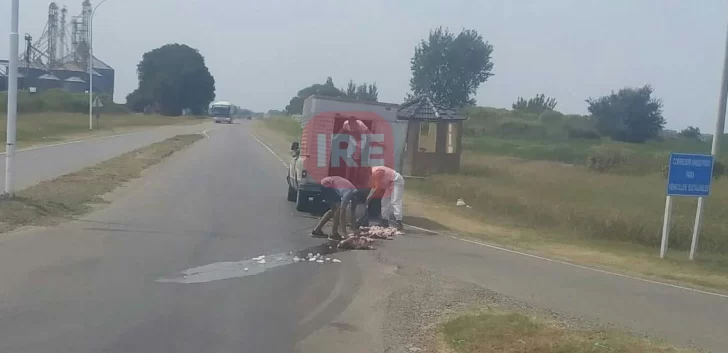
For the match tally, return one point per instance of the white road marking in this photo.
(269, 149)
(495, 247)
(204, 133)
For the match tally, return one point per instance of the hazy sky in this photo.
(262, 52)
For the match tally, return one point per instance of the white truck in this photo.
(222, 112)
(303, 186)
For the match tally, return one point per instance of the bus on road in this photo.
(222, 112)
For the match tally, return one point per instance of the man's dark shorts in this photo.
(332, 196)
(362, 195)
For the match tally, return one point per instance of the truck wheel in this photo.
(302, 202)
(292, 195)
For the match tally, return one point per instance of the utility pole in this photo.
(91, 67)
(720, 122)
(715, 150)
(12, 99)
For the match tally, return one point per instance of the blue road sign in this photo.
(690, 174)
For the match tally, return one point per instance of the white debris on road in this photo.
(378, 232)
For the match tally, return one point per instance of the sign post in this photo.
(689, 175)
(97, 111)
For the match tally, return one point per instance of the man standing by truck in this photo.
(389, 186)
(357, 133)
(360, 173)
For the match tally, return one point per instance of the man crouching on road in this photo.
(338, 193)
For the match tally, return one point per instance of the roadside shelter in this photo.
(434, 137)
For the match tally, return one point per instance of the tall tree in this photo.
(630, 115)
(373, 92)
(450, 68)
(362, 93)
(173, 77)
(351, 89)
(538, 104)
(295, 105)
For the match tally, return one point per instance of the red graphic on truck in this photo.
(347, 144)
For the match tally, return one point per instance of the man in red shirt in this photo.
(357, 132)
(338, 193)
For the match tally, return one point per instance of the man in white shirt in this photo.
(388, 185)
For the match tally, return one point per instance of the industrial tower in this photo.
(59, 58)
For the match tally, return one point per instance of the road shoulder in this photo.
(74, 194)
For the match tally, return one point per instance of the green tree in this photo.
(363, 92)
(172, 78)
(538, 104)
(630, 115)
(450, 68)
(295, 105)
(137, 102)
(351, 89)
(690, 132)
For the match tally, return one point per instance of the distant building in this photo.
(58, 59)
(34, 75)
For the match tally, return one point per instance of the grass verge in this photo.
(566, 212)
(73, 194)
(283, 125)
(44, 128)
(707, 272)
(507, 332)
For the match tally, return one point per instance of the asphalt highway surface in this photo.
(173, 264)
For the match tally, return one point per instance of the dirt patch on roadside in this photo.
(74, 194)
(421, 306)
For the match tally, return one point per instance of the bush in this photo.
(59, 101)
(550, 117)
(606, 159)
(521, 128)
(583, 133)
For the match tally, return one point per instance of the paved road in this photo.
(45, 163)
(92, 285)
